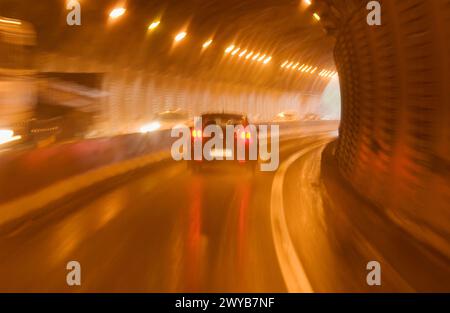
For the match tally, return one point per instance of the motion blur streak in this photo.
(86, 173)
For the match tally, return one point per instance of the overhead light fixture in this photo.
(316, 16)
(267, 60)
(180, 36)
(242, 53)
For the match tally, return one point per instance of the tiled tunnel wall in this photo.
(394, 145)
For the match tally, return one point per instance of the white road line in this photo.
(292, 269)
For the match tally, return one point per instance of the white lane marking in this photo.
(292, 269)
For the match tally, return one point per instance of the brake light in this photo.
(246, 135)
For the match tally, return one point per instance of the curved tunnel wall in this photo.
(394, 145)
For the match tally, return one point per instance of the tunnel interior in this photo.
(147, 65)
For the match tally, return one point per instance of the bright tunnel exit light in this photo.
(117, 12)
(180, 36)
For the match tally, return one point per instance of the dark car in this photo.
(239, 145)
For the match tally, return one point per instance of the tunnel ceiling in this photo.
(283, 29)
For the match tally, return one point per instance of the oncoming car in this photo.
(235, 141)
